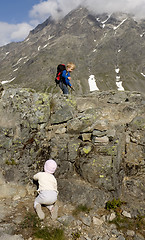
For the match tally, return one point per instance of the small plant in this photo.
(114, 204)
(50, 234)
(31, 221)
(123, 223)
(140, 221)
(10, 162)
(76, 235)
(33, 225)
(81, 208)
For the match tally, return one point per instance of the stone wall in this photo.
(97, 140)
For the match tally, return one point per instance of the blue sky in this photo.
(18, 17)
(16, 11)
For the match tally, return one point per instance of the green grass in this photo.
(114, 204)
(76, 235)
(50, 234)
(123, 223)
(11, 162)
(135, 224)
(81, 208)
(32, 225)
(30, 221)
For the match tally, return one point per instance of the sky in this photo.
(18, 17)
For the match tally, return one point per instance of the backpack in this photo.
(60, 69)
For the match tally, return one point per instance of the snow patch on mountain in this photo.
(8, 81)
(20, 59)
(26, 40)
(143, 74)
(103, 22)
(118, 82)
(45, 45)
(15, 70)
(117, 70)
(50, 37)
(115, 28)
(141, 35)
(119, 85)
(92, 83)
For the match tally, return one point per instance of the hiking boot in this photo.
(39, 212)
(54, 212)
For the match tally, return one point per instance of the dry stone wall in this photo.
(97, 140)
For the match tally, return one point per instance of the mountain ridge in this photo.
(97, 44)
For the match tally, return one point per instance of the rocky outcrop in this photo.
(97, 140)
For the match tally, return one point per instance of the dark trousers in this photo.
(64, 88)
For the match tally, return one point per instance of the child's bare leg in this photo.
(39, 211)
(53, 211)
(37, 205)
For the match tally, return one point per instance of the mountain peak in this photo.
(97, 43)
(40, 27)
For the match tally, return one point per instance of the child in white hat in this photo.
(47, 190)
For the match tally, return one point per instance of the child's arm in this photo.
(35, 177)
(66, 76)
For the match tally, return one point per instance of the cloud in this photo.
(136, 7)
(13, 32)
(21, 31)
(59, 8)
(54, 8)
(42, 10)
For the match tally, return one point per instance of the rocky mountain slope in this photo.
(97, 139)
(98, 142)
(111, 48)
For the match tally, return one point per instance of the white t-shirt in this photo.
(46, 181)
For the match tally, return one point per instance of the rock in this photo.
(138, 236)
(60, 130)
(120, 237)
(101, 140)
(86, 136)
(127, 138)
(99, 149)
(74, 126)
(86, 149)
(66, 220)
(97, 221)
(99, 133)
(6, 229)
(138, 123)
(3, 211)
(115, 232)
(105, 238)
(101, 125)
(126, 214)
(86, 220)
(118, 98)
(112, 216)
(130, 233)
(1, 88)
(111, 134)
(62, 115)
(11, 237)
